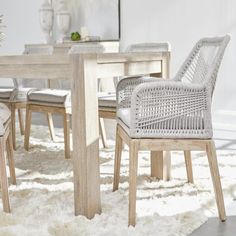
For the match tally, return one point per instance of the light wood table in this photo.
(83, 70)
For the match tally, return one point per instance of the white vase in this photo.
(62, 20)
(46, 20)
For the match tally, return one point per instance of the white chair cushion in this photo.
(106, 99)
(5, 115)
(55, 96)
(6, 93)
(124, 115)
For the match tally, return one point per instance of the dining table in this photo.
(83, 69)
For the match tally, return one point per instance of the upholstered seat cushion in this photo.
(54, 96)
(6, 93)
(124, 115)
(4, 117)
(106, 99)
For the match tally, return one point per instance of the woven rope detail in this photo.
(177, 108)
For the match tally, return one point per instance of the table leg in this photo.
(85, 135)
(161, 164)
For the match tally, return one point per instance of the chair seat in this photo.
(124, 119)
(50, 96)
(106, 99)
(6, 93)
(5, 115)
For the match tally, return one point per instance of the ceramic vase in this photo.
(46, 20)
(62, 20)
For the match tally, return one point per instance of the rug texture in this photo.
(42, 202)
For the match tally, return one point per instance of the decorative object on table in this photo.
(84, 33)
(75, 36)
(1, 26)
(46, 20)
(62, 20)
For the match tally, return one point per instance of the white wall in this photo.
(22, 21)
(181, 22)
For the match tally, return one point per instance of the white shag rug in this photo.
(42, 202)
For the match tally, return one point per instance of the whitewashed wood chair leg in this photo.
(161, 165)
(27, 127)
(10, 158)
(133, 166)
(66, 123)
(213, 164)
(103, 132)
(51, 126)
(118, 152)
(4, 181)
(21, 121)
(188, 163)
(13, 124)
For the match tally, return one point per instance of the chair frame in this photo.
(6, 144)
(159, 145)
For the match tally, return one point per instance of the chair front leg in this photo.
(21, 121)
(133, 166)
(118, 152)
(10, 157)
(212, 160)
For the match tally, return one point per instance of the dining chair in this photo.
(56, 101)
(6, 145)
(107, 100)
(171, 115)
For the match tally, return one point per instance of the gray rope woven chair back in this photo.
(202, 64)
(175, 108)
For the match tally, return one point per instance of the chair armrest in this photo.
(126, 86)
(159, 102)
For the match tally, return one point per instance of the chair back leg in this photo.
(10, 158)
(103, 132)
(212, 160)
(51, 126)
(66, 124)
(188, 164)
(27, 127)
(21, 121)
(13, 124)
